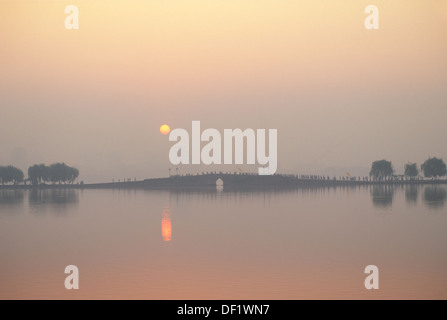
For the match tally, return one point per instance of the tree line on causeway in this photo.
(38, 174)
(61, 173)
(432, 168)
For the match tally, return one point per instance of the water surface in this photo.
(301, 244)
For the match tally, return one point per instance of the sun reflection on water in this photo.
(166, 225)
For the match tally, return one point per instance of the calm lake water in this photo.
(300, 244)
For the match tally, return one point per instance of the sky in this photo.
(340, 96)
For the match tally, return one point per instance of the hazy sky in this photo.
(339, 95)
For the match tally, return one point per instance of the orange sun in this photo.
(165, 129)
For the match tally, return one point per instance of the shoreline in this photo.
(230, 182)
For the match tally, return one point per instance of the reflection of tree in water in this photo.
(11, 197)
(58, 197)
(382, 196)
(411, 194)
(435, 196)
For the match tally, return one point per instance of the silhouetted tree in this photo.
(38, 174)
(10, 174)
(17, 175)
(33, 175)
(73, 174)
(3, 175)
(60, 172)
(56, 173)
(434, 167)
(411, 170)
(381, 169)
